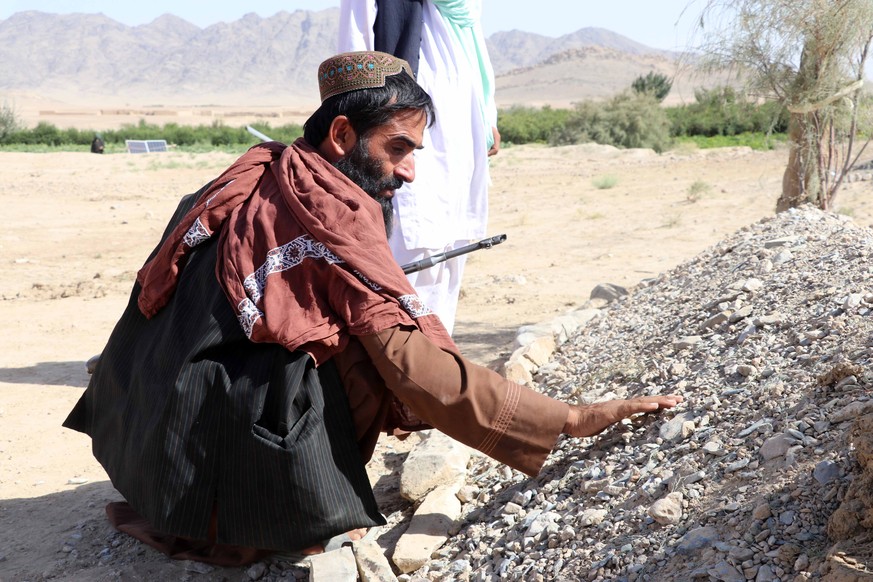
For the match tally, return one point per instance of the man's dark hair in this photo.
(369, 108)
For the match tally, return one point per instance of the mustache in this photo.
(390, 184)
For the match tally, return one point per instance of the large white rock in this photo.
(428, 529)
(373, 566)
(667, 510)
(435, 461)
(336, 566)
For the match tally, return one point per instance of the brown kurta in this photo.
(470, 403)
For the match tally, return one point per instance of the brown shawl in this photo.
(279, 208)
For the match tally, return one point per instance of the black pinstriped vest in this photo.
(184, 411)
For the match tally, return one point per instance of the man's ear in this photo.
(341, 139)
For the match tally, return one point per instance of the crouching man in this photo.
(271, 337)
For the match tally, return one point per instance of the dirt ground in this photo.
(79, 225)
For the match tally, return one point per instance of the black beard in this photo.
(366, 172)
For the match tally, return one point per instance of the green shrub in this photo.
(720, 117)
(697, 190)
(723, 111)
(654, 84)
(46, 133)
(605, 182)
(519, 125)
(284, 133)
(201, 137)
(9, 122)
(756, 141)
(628, 120)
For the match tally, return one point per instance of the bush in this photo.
(9, 122)
(655, 84)
(284, 133)
(628, 120)
(530, 125)
(45, 133)
(631, 119)
(722, 111)
(212, 136)
(757, 140)
(217, 134)
(605, 182)
(697, 190)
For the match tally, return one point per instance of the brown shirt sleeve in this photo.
(369, 399)
(470, 403)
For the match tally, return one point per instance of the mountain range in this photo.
(90, 59)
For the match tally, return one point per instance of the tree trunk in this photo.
(800, 182)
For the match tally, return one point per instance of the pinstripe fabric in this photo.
(184, 411)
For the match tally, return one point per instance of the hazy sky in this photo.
(657, 23)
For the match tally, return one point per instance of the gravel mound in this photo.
(769, 337)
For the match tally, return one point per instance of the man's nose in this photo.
(405, 170)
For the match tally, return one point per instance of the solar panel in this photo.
(145, 146)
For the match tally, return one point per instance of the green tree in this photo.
(809, 56)
(9, 122)
(655, 84)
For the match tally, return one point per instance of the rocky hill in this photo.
(88, 59)
(593, 72)
(516, 49)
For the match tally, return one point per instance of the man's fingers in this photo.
(592, 419)
(668, 401)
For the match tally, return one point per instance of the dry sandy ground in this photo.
(78, 226)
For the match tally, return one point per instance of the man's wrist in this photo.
(572, 420)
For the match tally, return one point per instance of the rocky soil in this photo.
(763, 474)
(765, 333)
(769, 337)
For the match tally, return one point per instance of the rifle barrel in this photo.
(432, 260)
(258, 134)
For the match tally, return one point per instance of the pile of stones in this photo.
(768, 335)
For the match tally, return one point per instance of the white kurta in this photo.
(447, 204)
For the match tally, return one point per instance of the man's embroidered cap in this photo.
(358, 70)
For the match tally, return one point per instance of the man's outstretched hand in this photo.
(590, 419)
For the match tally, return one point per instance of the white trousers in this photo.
(438, 286)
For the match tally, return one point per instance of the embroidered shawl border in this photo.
(291, 255)
(198, 231)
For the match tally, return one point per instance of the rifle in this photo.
(487, 243)
(258, 134)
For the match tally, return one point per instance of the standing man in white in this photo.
(447, 205)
